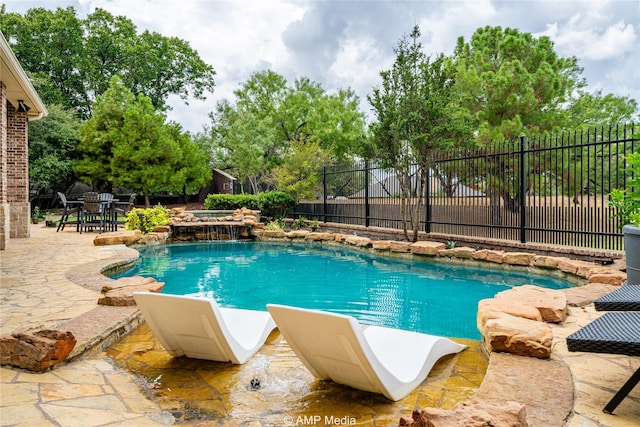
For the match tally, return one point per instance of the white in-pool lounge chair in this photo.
(197, 327)
(387, 361)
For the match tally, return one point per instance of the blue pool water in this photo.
(418, 294)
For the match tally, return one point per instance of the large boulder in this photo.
(472, 413)
(396, 246)
(319, 236)
(461, 252)
(120, 292)
(492, 308)
(518, 258)
(488, 255)
(358, 241)
(551, 303)
(36, 350)
(517, 335)
(128, 237)
(426, 248)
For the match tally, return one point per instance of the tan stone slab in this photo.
(426, 248)
(396, 246)
(461, 252)
(23, 415)
(544, 386)
(551, 303)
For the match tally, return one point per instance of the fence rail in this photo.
(551, 190)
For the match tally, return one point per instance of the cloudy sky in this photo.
(347, 43)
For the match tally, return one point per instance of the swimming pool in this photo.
(414, 294)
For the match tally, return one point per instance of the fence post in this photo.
(324, 194)
(427, 203)
(367, 213)
(522, 190)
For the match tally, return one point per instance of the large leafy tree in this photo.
(516, 84)
(52, 148)
(127, 143)
(73, 59)
(269, 121)
(513, 82)
(415, 118)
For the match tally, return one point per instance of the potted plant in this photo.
(628, 203)
(37, 215)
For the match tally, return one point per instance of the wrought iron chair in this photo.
(70, 208)
(94, 213)
(122, 209)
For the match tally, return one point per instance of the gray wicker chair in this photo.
(615, 332)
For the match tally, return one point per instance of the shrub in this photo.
(231, 201)
(628, 201)
(147, 219)
(271, 204)
(275, 204)
(299, 223)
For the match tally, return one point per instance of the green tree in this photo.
(128, 144)
(415, 118)
(299, 173)
(598, 110)
(515, 84)
(512, 82)
(193, 171)
(74, 59)
(99, 134)
(145, 155)
(52, 148)
(253, 136)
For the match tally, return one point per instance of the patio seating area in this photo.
(37, 276)
(94, 211)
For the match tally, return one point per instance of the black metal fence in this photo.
(551, 190)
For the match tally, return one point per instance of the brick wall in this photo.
(14, 163)
(4, 205)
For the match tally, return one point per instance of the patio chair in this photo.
(626, 298)
(70, 208)
(198, 328)
(616, 332)
(386, 361)
(94, 212)
(122, 209)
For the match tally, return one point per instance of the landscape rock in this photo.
(358, 241)
(545, 261)
(297, 234)
(319, 236)
(128, 237)
(488, 255)
(121, 293)
(519, 336)
(471, 413)
(400, 246)
(613, 277)
(381, 245)
(36, 350)
(270, 233)
(551, 303)
(518, 258)
(426, 248)
(461, 252)
(491, 308)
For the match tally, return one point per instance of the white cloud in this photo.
(591, 44)
(347, 43)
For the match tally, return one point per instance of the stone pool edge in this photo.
(91, 275)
